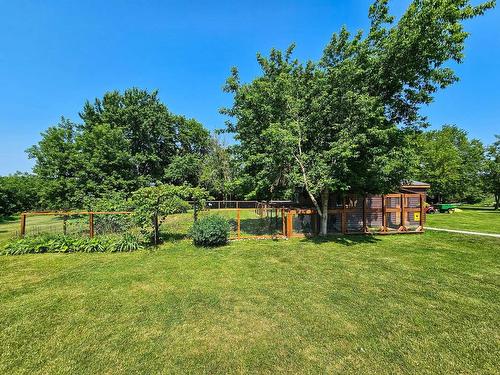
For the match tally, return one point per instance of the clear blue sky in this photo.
(56, 54)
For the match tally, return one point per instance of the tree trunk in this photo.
(156, 229)
(497, 201)
(195, 212)
(324, 212)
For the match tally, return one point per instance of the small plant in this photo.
(128, 242)
(68, 244)
(210, 231)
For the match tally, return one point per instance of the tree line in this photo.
(348, 122)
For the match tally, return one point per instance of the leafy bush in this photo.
(67, 244)
(211, 230)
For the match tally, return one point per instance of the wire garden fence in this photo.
(377, 214)
(80, 223)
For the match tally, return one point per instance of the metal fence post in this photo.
(91, 225)
(283, 224)
(238, 225)
(65, 224)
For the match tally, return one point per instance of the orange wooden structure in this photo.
(378, 214)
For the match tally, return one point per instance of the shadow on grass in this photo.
(169, 236)
(346, 240)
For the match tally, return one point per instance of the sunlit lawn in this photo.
(10, 227)
(399, 304)
(470, 219)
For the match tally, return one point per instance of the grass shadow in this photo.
(172, 236)
(345, 240)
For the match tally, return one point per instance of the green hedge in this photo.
(68, 244)
(210, 231)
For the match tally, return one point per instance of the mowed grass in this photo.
(396, 304)
(470, 219)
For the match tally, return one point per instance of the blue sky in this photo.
(56, 54)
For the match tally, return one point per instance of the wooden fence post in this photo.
(283, 224)
(91, 225)
(289, 224)
(343, 217)
(238, 227)
(365, 229)
(384, 214)
(422, 212)
(402, 205)
(23, 225)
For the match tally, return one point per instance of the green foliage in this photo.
(19, 192)
(184, 169)
(153, 204)
(113, 201)
(209, 231)
(56, 164)
(127, 141)
(452, 164)
(342, 123)
(67, 244)
(127, 242)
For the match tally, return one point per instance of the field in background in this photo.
(471, 219)
(10, 227)
(353, 304)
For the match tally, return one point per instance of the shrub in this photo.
(128, 242)
(211, 230)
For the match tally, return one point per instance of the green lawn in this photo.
(396, 304)
(471, 219)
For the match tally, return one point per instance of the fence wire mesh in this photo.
(75, 224)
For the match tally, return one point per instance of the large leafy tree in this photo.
(19, 192)
(57, 164)
(221, 172)
(126, 141)
(154, 135)
(341, 123)
(451, 163)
